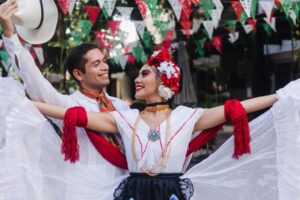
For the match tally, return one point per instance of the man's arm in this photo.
(36, 85)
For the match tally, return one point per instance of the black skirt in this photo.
(140, 186)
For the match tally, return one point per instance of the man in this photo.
(86, 63)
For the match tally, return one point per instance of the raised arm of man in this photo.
(35, 83)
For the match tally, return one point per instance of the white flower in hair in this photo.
(165, 92)
(167, 68)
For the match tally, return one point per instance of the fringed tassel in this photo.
(235, 112)
(75, 116)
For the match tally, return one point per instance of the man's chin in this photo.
(104, 83)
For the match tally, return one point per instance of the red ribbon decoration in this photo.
(92, 12)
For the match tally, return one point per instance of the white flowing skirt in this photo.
(32, 167)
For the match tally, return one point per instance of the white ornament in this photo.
(167, 68)
(165, 92)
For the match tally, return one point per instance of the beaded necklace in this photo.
(161, 164)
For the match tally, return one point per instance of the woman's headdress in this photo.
(168, 71)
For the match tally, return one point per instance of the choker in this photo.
(156, 104)
(157, 107)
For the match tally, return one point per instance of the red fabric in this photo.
(202, 139)
(108, 151)
(235, 112)
(75, 116)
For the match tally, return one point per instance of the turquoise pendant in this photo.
(174, 197)
(153, 135)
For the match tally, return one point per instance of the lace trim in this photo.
(187, 188)
(119, 193)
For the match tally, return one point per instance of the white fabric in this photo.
(182, 121)
(40, 89)
(32, 167)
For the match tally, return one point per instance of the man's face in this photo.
(96, 71)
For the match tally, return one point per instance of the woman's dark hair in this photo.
(75, 58)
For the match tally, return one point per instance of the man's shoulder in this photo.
(119, 103)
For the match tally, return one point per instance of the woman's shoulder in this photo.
(182, 108)
(127, 116)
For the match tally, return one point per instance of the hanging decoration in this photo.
(177, 8)
(139, 54)
(71, 6)
(252, 22)
(247, 6)
(125, 12)
(151, 4)
(142, 6)
(196, 24)
(254, 8)
(122, 60)
(207, 6)
(92, 12)
(131, 59)
(86, 26)
(101, 3)
(238, 8)
(199, 47)
(233, 37)
(64, 5)
(267, 28)
(140, 27)
(231, 25)
(248, 28)
(209, 27)
(216, 17)
(147, 39)
(101, 37)
(271, 23)
(114, 26)
(109, 6)
(286, 6)
(217, 43)
(267, 7)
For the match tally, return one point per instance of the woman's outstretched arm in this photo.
(102, 122)
(215, 116)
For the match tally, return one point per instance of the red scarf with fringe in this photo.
(233, 111)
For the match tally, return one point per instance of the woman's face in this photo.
(146, 84)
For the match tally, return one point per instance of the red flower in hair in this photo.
(168, 69)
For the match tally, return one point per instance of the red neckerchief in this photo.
(109, 149)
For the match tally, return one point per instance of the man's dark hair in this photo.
(75, 58)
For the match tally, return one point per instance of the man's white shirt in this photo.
(39, 89)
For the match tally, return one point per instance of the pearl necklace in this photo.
(161, 164)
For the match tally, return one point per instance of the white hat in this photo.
(36, 20)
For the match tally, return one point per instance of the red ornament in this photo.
(217, 43)
(92, 12)
(238, 8)
(64, 5)
(114, 26)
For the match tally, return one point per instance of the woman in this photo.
(156, 142)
